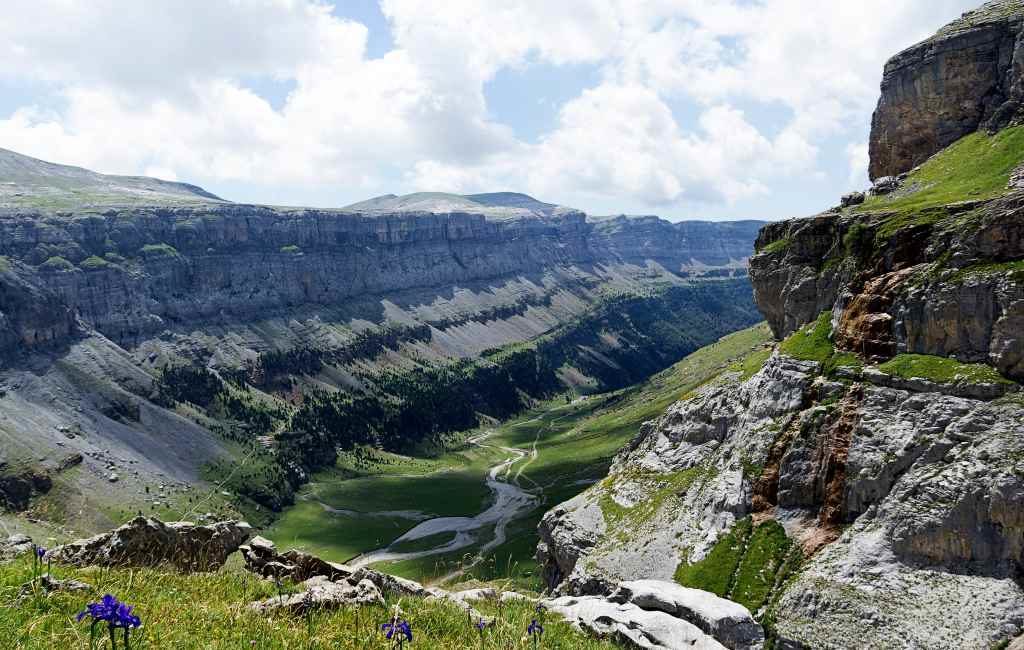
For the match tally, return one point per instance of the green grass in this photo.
(978, 166)
(94, 263)
(575, 444)
(811, 343)
(657, 489)
(291, 249)
(745, 565)
(1014, 270)
(751, 364)
(57, 263)
(208, 611)
(764, 557)
(941, 370)
(776, 246)
(715, 572)
(156, 251)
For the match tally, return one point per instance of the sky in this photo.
(688, 109)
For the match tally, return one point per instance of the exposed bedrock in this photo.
(132, 272)
(969, 76)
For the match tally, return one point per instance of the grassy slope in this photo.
(977, 166)
(575, 444)
(207, 611)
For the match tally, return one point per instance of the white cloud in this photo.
(698, 101)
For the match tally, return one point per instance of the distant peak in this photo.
(27, 182)
(497, 205)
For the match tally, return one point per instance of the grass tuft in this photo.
(978, 166)
(941, 370)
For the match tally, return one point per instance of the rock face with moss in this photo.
(865, 487)
(967, 77)
(935, 269)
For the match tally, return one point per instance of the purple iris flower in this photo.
(397, 627)
(112, 611)
(40, 552)
(481, 624)
(535, 628)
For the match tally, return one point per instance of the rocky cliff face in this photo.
(969, 76)
(161, 345)
(863, 488)
(945, 284)
(129, 273)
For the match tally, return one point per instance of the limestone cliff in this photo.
(861, 486)
(969, 76)
(154, 337)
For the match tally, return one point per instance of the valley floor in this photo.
(436, 518)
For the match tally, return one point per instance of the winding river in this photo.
(509, 501)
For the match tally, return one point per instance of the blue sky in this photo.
(712, 109)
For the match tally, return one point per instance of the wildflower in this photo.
(535, 631)
(397, 631)
(115, 614)
(480, 626)
(38, 552)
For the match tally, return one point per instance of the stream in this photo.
(509, 501)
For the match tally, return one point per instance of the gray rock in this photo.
(14, 546)
(321, 593)
(261, 557)
(631, 625)
(851, 199)
(49, 584)
(731, 624)
(885, 185)
(151, 542)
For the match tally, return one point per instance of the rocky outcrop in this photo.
(147, 542)
(967, 77)
(727, 622)
(132, 273)
(885, 490)
(14, 546)
(942, 284)
(261, 557)
(632, 626)
(657, 615)
(680, 480)
(321, 593)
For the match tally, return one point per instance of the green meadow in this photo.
(574, 443)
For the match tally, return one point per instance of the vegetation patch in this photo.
(1013, 270)
(716, 572)
(751, 364)
(94, 263)
(812, 342)
(656, 490)
(748, 564)
(978, 166)
(208, 611)
(776, 246)
(941, 370)
(158, 251)
(291, 249)
(57, 264)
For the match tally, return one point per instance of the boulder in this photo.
(731, 624)
(49, 584)
(261, 557)
(885, 185)
(853, 198)
(632, 625)
(14, 546)
(321, 593)
(147, 542)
